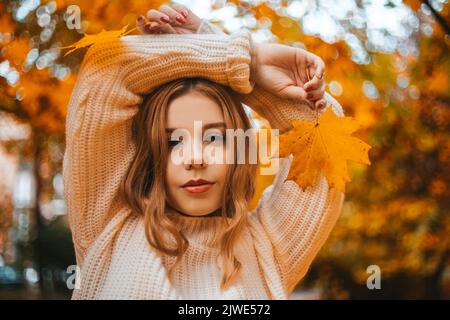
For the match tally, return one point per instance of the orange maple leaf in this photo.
(323, 147)
(90, 39)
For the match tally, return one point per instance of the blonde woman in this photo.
(145, 227)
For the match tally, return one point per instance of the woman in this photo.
(139, 232)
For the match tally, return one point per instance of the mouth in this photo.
(197, 186)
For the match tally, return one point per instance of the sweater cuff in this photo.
(238, 62)
(208, 27)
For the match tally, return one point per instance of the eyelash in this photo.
(220, 135)
(173, 143)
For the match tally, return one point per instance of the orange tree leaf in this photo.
(90, 39)
(323, 147)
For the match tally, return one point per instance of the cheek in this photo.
(170, 173)
(220, 172)
(172, 177)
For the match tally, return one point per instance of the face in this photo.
(186, 192)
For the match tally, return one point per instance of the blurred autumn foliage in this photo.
(396, 213)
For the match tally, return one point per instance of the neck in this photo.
(215, 213)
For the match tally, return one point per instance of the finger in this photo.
(174, 15)
(140, 23)
(316, 66)
(166, 28)
(157, 16)
(293, 92)
(152, 28)
(320, 104)
(181, 9)
(315, 95)
(313, 84)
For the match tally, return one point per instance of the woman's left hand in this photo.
(174, 18)
(289, 72)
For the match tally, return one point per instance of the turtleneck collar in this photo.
(202, 230)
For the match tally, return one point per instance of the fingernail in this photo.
(184, 13)
(180, 19)
(165, 19)
(147, 27)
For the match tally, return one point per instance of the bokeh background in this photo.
(388, 64)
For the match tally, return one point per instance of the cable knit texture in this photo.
(283, 234)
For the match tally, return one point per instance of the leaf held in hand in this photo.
(323, 147)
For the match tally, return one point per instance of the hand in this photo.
(175, 18)
(285, 71)
(289, 72)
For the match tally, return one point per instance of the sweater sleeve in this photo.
(296, 222)
(110, 86)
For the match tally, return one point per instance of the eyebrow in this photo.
(206, 126)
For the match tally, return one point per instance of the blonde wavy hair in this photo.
(143, 187)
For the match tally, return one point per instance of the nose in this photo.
(191, 166)
(196, 161)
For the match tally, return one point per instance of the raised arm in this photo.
(296, 222)
(108, 91)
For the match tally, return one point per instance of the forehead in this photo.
(184, 110)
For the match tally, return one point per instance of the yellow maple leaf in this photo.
(323, 147)
(90, 39)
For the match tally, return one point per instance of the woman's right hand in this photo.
(174, 18)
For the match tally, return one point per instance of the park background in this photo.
(387, 63)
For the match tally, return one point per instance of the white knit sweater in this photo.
(284, 232)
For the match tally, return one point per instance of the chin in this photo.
(193, 209)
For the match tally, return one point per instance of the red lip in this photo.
(197, 186)
(196, 182)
